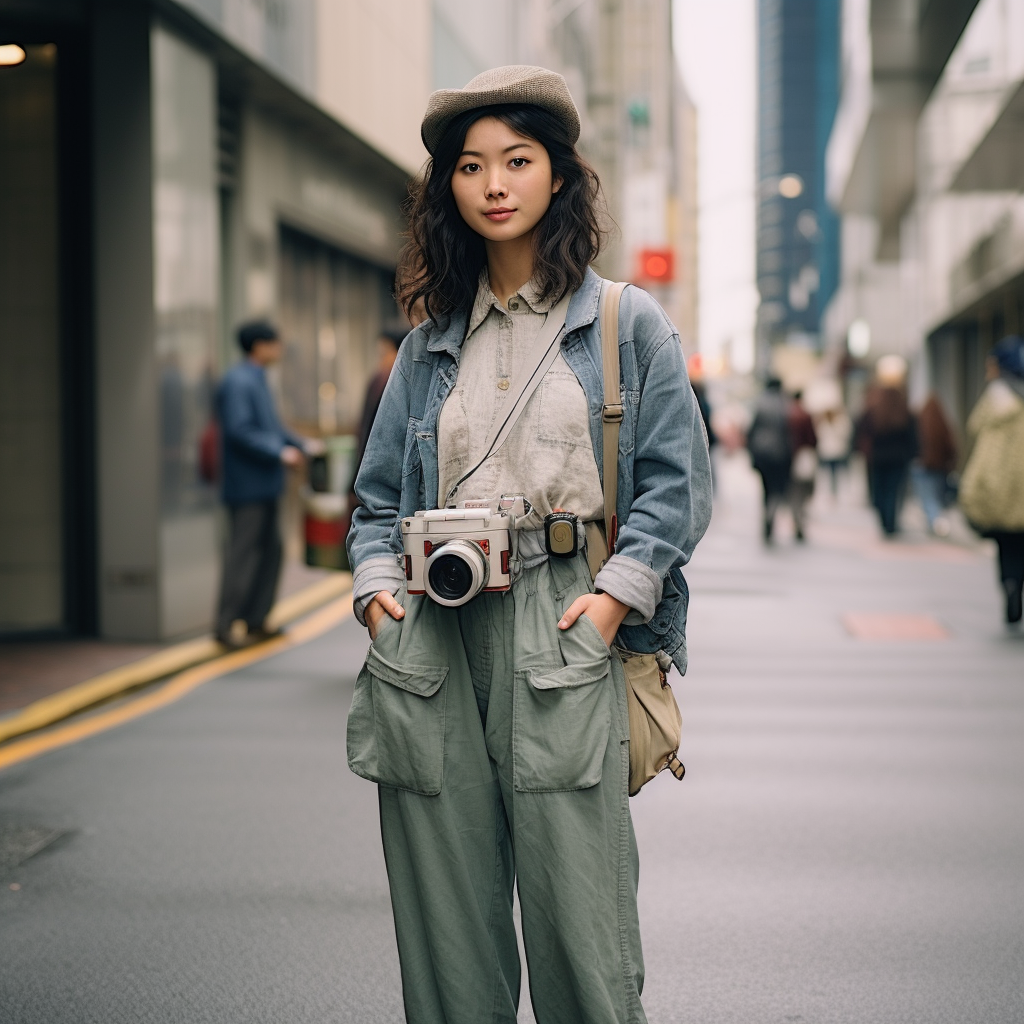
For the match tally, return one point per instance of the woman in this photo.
(497, 729)
(936, 460)
(804, 443)
(992, 488)
(835, 433)
(888, 438)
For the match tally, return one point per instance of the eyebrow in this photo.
(507, 149)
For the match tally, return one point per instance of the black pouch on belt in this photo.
(561, 534)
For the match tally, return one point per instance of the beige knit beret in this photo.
(516, 83)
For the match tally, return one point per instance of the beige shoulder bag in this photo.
(655, 725)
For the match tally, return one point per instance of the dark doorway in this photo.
(47, 520)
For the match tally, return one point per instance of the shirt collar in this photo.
(486, 300)
(531, 295)
(447, 334)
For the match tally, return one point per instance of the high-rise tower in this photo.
(797, 232)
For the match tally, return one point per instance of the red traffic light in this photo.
(657, 265)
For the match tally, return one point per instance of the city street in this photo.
(846, 847)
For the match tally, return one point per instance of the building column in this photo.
(126, 378)
(156, 258)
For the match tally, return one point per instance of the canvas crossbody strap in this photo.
(548, 345)
(611, 414)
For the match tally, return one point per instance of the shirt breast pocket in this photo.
(559, 411)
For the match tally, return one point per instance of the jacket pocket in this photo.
(396, 723)
(562, 717)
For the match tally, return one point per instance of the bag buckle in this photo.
(612, 413)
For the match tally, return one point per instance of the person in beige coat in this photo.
(992, 488)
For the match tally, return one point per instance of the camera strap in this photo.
(549, 343)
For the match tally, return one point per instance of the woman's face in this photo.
(502, 182)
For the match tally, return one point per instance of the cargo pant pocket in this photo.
(396, 724)
(562, 720)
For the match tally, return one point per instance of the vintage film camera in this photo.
(453, 554)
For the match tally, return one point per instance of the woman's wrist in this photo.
(605, 611)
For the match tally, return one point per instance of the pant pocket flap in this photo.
(569, 677)
(423, 680)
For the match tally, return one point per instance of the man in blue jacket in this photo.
(255, 449)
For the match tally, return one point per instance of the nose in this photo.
(496, 188)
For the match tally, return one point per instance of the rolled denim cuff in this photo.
(632, 583)
(370, 578)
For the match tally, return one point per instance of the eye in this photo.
(519, 161)
(471, 168)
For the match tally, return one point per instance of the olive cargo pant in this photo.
(501, 747)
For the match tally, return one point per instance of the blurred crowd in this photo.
(903, 450)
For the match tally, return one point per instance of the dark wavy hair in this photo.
(442, 258)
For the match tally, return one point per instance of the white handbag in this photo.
(805, 465)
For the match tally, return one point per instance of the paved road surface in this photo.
(848, 845)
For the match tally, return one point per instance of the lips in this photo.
(499, 213)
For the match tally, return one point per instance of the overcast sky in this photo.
(715, 43)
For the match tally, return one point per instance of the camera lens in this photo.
(450, 577)
(456, 572)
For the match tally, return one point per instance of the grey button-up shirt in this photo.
(548, 455)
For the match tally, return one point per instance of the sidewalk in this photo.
(34, 669)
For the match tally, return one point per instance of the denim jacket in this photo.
(664, 495)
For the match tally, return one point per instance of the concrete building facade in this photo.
(170, 170)
(925, 166)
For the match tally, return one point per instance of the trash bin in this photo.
(326, 527)
(326, 503)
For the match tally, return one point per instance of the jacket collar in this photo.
(583, 306)
(448, 335)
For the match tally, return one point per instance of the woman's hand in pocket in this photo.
(602, 609)
(383, 604)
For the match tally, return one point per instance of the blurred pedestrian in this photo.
(834, 430)
(695, 367)
(771, 449)
(804, 444)
(888, 437)
(992, 487)
(936, 460)
(388, 344)
(256, 449)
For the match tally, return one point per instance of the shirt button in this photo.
(503, 383)
(513, 304)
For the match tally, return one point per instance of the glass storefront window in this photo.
(332, 309)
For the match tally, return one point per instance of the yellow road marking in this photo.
(48, 710)
(175, 688)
